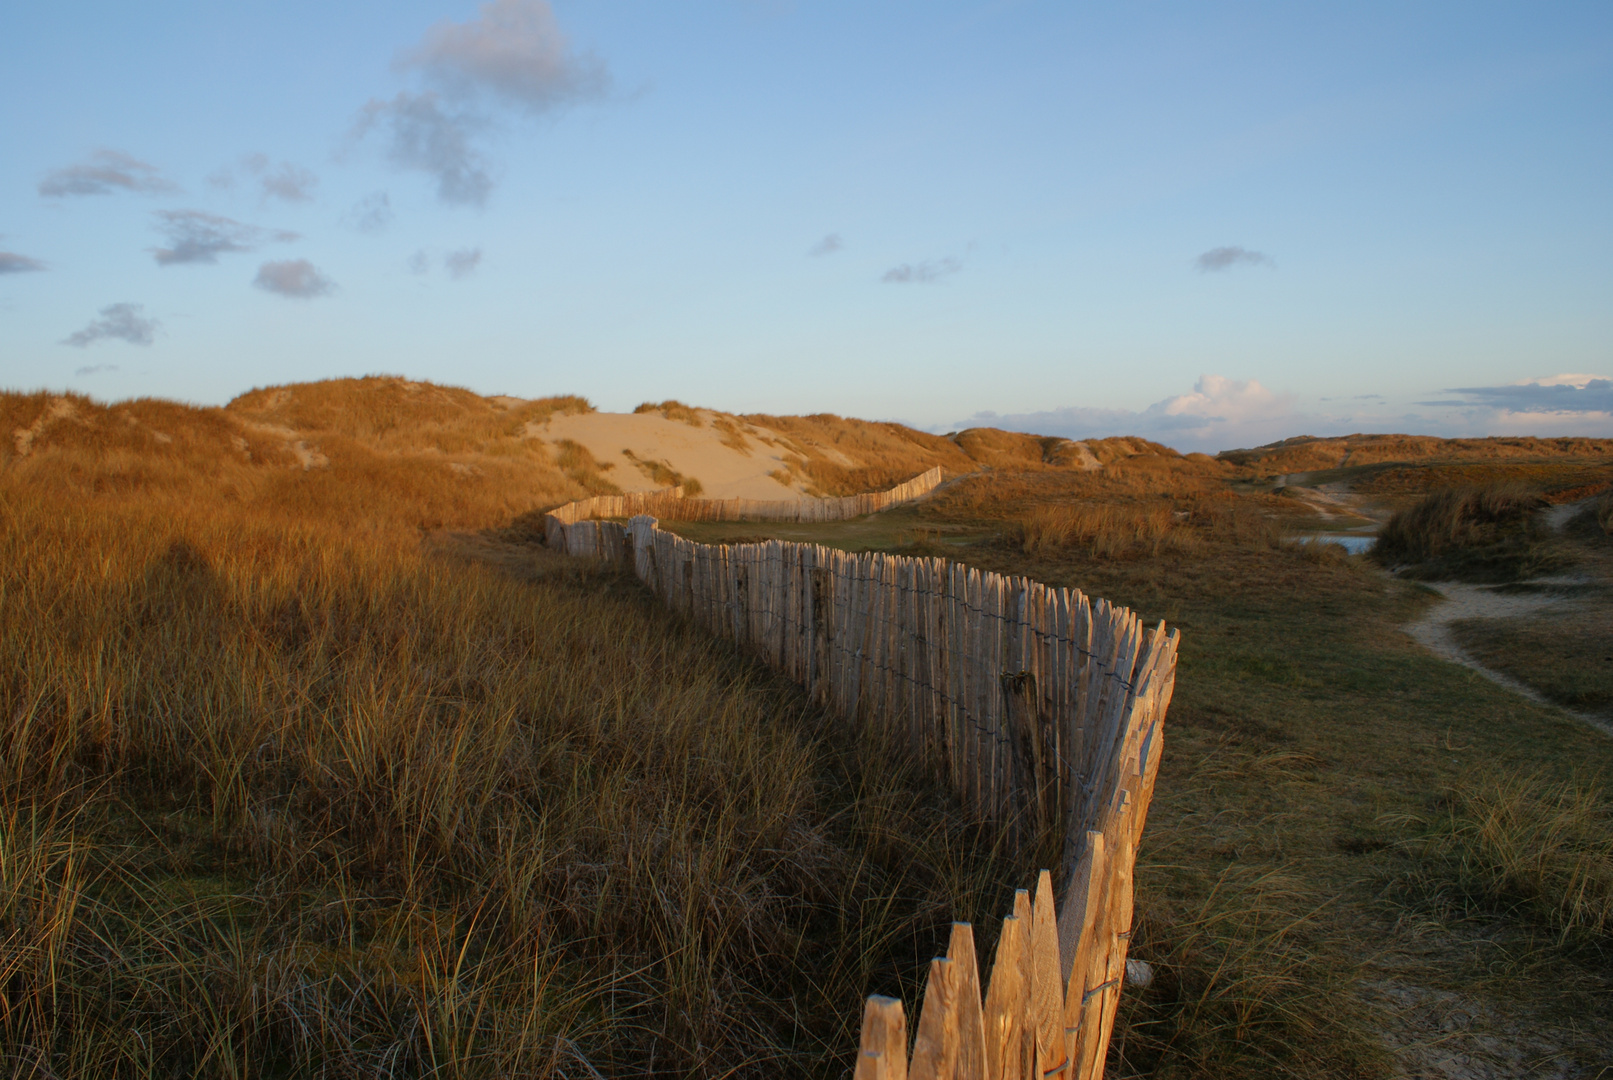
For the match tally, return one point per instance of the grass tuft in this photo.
(1239, 989)
(1125, 529)
(1528, 847)
(1488, 533)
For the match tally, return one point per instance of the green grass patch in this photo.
(1567, 656)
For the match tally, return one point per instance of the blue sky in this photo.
(1214, 225)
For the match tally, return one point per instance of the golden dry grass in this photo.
(1529, 845)
(293, 783)
(673, 410)
(288, 788)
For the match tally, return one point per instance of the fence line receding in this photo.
(1041, 707)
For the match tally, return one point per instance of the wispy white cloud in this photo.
(286, 182)
(124, 322)
(513, 51)
(297, 279)
(462, 264)
(513, 57)
(371, 214)
(827, 246)
(13, 263)
(927, 272)
(195, 236)
(289, 183)
(1222, 413)
(105, 172)
(93, 369)
(423, 135)
(1225, 258)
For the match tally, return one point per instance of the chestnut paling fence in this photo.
(1042, 708)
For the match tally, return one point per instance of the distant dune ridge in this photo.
(1306, 453)
(464, 460)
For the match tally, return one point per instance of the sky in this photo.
(1214, 225)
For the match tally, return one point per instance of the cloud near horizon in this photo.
(1223, 414)
(1215, 415)
(105, 172)
(513, 56)
(297, 279)
(196, 236)
(120, 321)
(1556, 395)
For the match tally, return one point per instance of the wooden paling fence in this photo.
(1043, 709)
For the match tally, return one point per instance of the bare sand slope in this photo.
(730, 458)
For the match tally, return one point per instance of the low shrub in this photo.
(1486, 533)
(1139, 529)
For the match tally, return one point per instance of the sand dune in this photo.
(730, 458)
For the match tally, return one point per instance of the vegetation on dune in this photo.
(662, 474)
(1239, 988)
(1308, 454)
(581, 467)
(1524, 845)
(397, 413)
(1566, 655)
(292, 781)
(673, 410)
(1556, 481)
(1602, 514)
(1142, 530)
(1475, 534)
(283, 792)
(840, 456)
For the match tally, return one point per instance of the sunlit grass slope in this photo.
(287, 790)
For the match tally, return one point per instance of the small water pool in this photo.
(1354, 543)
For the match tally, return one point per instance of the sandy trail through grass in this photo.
(1463, 602)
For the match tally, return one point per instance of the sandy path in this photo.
(1433, 630)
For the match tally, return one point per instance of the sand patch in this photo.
(732, 460)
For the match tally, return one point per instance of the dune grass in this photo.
(294, 782)
(1530, 846)
(1485, 534)
(290, 787)
(1567, 656)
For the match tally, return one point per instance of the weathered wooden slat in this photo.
(1008, 1004)
(935, 1043)
(883, 1052)
(971, 1062)
(1047, 989)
